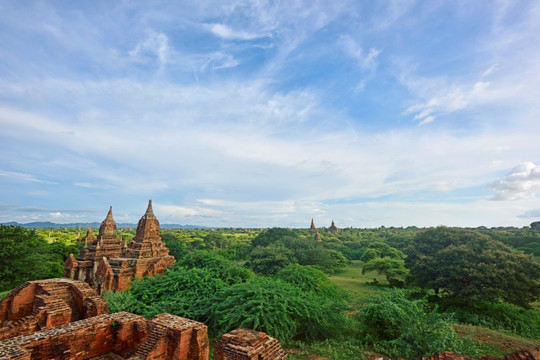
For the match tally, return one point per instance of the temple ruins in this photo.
(106, 264)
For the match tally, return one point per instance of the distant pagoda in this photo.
(312, 228)
(333, 228)
(106, 265)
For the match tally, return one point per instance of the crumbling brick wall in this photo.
(121, 335)
(44, 304)
(245, 344)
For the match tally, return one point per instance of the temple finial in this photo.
(109, 214)
(149, 210)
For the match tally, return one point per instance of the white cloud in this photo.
(58, 215)
(93, 186)
(226, 32)
(156, 45)
(367, 62)
(453, 100)
(19, 176)
(522, 182)
(175, 211)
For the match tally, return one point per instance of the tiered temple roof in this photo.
(105, 264)
(333, 227)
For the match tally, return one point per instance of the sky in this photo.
(271, 113)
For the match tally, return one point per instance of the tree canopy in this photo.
(469, 266)
(25, 256)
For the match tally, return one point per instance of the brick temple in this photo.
(106, 264)
(43, 304)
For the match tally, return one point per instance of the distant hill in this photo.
(48, 225)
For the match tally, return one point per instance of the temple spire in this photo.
(312, 228)
(109, 214)
(149, 211)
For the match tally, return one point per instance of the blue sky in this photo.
(270, 113)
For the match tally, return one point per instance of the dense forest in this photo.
(398, 292)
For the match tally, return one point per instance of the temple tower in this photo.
(312, 228)
(333, 228)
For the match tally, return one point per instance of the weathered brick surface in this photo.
(45, 304)
(245, 344)
(106, 265)
(114, 336)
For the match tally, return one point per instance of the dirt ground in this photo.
(506, 343)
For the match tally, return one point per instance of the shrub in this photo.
(120, 301)
(184, 292)
(277, 308)
(399, 327)
(310, 279)
(222, 267)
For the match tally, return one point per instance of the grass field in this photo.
(359, 286)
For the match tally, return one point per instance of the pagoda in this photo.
(333, 228)
(106, 265)
(312, 227)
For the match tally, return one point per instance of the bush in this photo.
(310, 279)
(120, 301)
(222, 267)
(269, 260)
(184, 292)
(399, 327)
(277, 308)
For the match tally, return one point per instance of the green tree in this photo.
(269, 260)
(310, 279)
(25, 256)
(469, 266)
(273, 236)
(394, 269)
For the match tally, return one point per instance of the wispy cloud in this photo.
(226, 32)
(155, 47)
(18, 176)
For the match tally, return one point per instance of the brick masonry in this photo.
(43, 304)
(116, 336)
(246, 344)
(106, 264)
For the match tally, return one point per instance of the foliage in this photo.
(502, 317)
(380, 249)
(269, 260)
(277, 308)
(25, 256)
(120, 301)
(177, 248)
(273, 236)
(310, 279)
(223, 268)
(399, 327)
(185, 292)
(276, 248)
(471, 267)
(394, 269)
